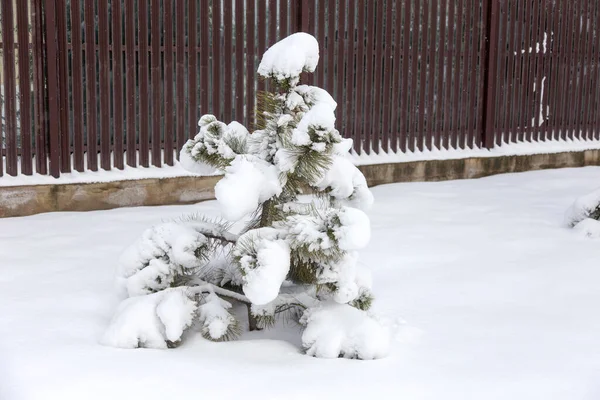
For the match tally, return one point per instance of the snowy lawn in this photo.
(493, 296)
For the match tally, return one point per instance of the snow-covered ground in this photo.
(493, 296)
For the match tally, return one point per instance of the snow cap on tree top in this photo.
(289, 57)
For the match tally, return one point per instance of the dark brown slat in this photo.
(440, 103)
(518, 78)
(192, 73)
(216, 59)
(533, 73)
(396, 72)
(272, 23)
(283, 17)
(571, 68)
(581, 127)
(331, 54)
(360, 65)
(104, 85)
(377, 43)
(295, 21)
(554, 47)
(567, 50)
(169, 137)
(117, 68)
(456, 75)
(239, 63)
(588, 77)
(510, 57)
(414, 89)
(10, 98)
(262, 37)
(144, 109)
(473, 55)
(490, 83)
(407, 50)
(350, 73)
(431, 74)
(501, 84)
(481, 73)
(38, 87)
(341, 59)
(309, 11)
(545, 26)
(250, 63)
(424, 21)
(205, 52)
(180, 136)
(368, 89)
(130, 80)
(227, 59)
(577, 71)
(52, 84)
(526, 82)
(77, 82)
(448, 105)
(155, 74)
(63, 80)
(321, 17)
(595, 69)
(24, 87)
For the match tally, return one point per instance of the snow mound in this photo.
(587, 206)
(339, 330)
(313, 95)
(154, 260)
(354, 232)
(215, 319)
(154, 321)
(589, 228)
(248, 182)
(265, 262)
(289, 57)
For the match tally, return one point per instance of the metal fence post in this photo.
(52, 53)
(492, 15)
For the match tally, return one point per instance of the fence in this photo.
(90, 84)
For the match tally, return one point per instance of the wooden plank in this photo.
(169, 137)
(105, 131)
(155, 74)
(432, 77)
(488, 120)
(321, 18)
(10, 96)
(360, 66)
(117, 68)
(456, 75)
(192, 70)
(216, 66)
(24, 87)
(250, 64)
(368, 89)
(501, 83)
(331, 54)
(414, 72)
(442, 68)
(584, 77)
(181, 135)
(130, 82)
(407, 52)
(450, 59)
(350, 103)
(262, 37)
(424, 52)
(239, 64)
(473, 56)
(52, 52)
(144, 109)
(205, 52)
(39, 88)
(227, 58)
(63, 81)
(77, 82)
(340, 95)
(379, 62)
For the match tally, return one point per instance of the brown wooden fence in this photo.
(89, 84)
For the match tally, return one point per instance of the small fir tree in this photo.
(296, 256)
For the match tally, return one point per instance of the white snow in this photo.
(248, 182)
(355, 231)
(339, 330)
(582, 207)
(347, 183)
(290, 56)
(492, 297)
(589, 228)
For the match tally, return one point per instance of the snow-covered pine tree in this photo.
(294, 256)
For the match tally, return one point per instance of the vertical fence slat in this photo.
(144, 109)
(52, 52)
(387, 76)
(555, 50)
(457, 52)
(77, 82)
(170, 136)
(397, 72)
(473, 55)
(227, 58)
(39, 88)
(492, 19)
(192, 56)
(501, 100)
(155, 75)
(104, 85)
(262, 36)
(250, 63)
(309, 23)
(10, 98)
(431, 74)
(24, 87)
(169, 139)
(216, 59)
(526, 57)
(377, 88)
(407, 50)
(130, 82)
(369, 42)
(414, 89)
(440, 102)
(577, 62)
(117, 68)
(239, 63)
(587, 73)
(510, 58)
(283, 18)
(321, 18)
(534, 87)
(594, 69)
(423, 62)
(330, 43)
(545, 27)
(350, 73)
(360, 65)
(448, 106)
(518, 79)
(63, 91)
(583, 78)
(340, 63)
(205, 52)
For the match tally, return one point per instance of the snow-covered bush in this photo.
(584, 215)
(295, 257)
